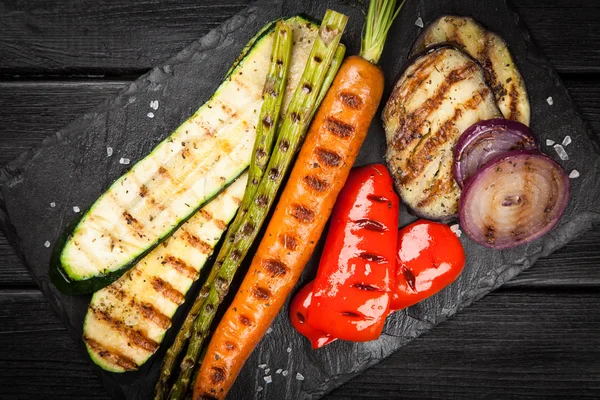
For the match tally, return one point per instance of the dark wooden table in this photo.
(536, 337)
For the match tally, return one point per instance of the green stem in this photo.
(379, 19)
(293, 130)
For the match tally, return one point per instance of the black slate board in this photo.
(71, 168)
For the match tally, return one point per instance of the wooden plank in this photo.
(32, 110)
(510, 344)
(90, 37)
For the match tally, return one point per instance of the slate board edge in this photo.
(11, 171)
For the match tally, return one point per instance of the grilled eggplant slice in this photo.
(436, 98)
(491, 51)
(186, 170)
(127, 320)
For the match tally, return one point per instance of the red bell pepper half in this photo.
(430, 257)
(352, 291)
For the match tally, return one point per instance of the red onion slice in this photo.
(513, 199)
(485, 139)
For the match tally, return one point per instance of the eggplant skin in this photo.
(435, 99)
(491, 51)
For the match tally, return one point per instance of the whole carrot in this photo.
(336, 134)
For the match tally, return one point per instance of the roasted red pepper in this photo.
(352, 290)
(299, 317)
(430, 257)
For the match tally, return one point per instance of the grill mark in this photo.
(274, 267)
(262, 200)
(196, 242)
(218, 375)
(372, 257)
(419, 77)
(351, 314)
(143, 191)
(440, 186)
(328, 157)
(244, 320)
(181, 267)
(230, 346)
(513, 95)
(366, 287)
(113, 356)
(146, 309)
(411, 124)
(371, 225)
(288, 241)
(222, 225)
(339, 128)
(419, 159)
(315, 183)
(261, 293)
(167, 291)
(302, 213)
(133, 336)
(205, 214)
(411, 281)
(377, 199)
(163, 171)
(351, 100)
(132, 221)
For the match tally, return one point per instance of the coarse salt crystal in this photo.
(76, 209)
(561, 152)
(278, 371)
(567, 140)
(285, 372)
(456, 229)
(419, 22)
(268, 379)
(259, 389)
(289, 349)
(267, 370)
(550, 100)
(124, 161)
(154, 104)
(269, 330)
(550, 142)
(574, 174)
(47, 243)
(299, 376)
(53, 204)
(150, 115)
(262, 366)
(109, 151)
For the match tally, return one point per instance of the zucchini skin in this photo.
(69, 284)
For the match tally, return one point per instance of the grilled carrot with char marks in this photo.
(332, 144)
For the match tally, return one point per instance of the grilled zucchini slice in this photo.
(197, 161)
(127, 320)
(491, 51)
(436, 98)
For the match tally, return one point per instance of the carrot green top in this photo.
(377, 24)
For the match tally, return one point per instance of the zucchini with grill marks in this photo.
(127, 320)
(185, 171)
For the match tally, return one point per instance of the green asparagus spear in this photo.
(293, 131)
(265, 132)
